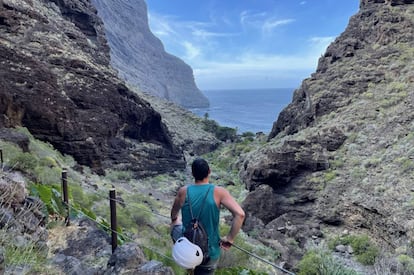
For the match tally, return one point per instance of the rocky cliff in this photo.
(340, 156)
(140, 57)
(56, 80)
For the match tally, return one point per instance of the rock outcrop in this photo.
(56, 80)
(340, 155)
(140, 57)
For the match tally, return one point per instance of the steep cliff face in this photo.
(56, 80)
(340, 155)
(140, 57)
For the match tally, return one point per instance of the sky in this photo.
(246, 44)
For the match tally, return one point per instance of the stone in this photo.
(67, 94)
(331, 156)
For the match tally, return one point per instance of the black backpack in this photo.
(195, 231)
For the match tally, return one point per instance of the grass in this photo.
(320, 262)
(19, 252)
(364, 249)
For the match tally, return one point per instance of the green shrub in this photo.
(118, 175)
(249, 136)
(407, 263)
(50, 195)
(29, 255)
(319, 262)
(330, 175)
(23, 162)
(47, 174)
(310, 264)
(364, 251)
(222, 133)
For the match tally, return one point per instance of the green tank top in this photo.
(209, 217)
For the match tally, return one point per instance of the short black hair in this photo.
(200, 169)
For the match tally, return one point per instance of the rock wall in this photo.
(338, 156)
(140, 57)
(56, 80)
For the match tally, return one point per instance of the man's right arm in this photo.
(178, 202)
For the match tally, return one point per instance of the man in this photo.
(210, 215)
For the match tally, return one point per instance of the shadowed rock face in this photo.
(140, 57)
(337, 157)
(55, 79)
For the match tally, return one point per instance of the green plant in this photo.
(319, 262)
(222, 133)
(29, 254)
(407, 263)
(330, 175)
(23, 162)
(118, 175)
(47, 174)
(364, 250)
(50, 195)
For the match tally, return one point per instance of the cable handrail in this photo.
(169, 258)
(113, 228)
(262, 259)
(119, 233)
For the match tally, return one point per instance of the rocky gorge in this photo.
(339, 160)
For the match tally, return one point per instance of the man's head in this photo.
(200, 169)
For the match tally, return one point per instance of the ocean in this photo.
(249, 110)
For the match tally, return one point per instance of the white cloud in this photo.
(262, 21)
(161, 25)
(190, 50)
(319, 44)
(203, 34)
(270, 70)
(251, 18)
(270, 24)
(216, 65)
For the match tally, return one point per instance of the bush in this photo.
(318, 262)
(222, 133)
(47, 175)
(364, 251)
(50, 195)
(29, 255)
(23, 162)
(407, 263)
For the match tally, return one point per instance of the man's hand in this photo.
(225, 244)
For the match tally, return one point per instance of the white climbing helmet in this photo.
(186, 254)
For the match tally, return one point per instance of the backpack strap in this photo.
(202, 205)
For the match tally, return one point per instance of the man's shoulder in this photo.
(182, 190)
(221, 191)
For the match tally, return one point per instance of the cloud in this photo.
(270, 24)
(251, 18)
(191, 51)
(239, 60)
(203, 34)
(262, 21)
(268, 70)
(303, 3)
(161, 25)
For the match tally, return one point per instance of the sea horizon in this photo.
(247, 110)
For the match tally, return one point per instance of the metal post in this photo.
(65, 195)
(1, 157)
(112, 204)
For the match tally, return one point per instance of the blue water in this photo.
(252, 110)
